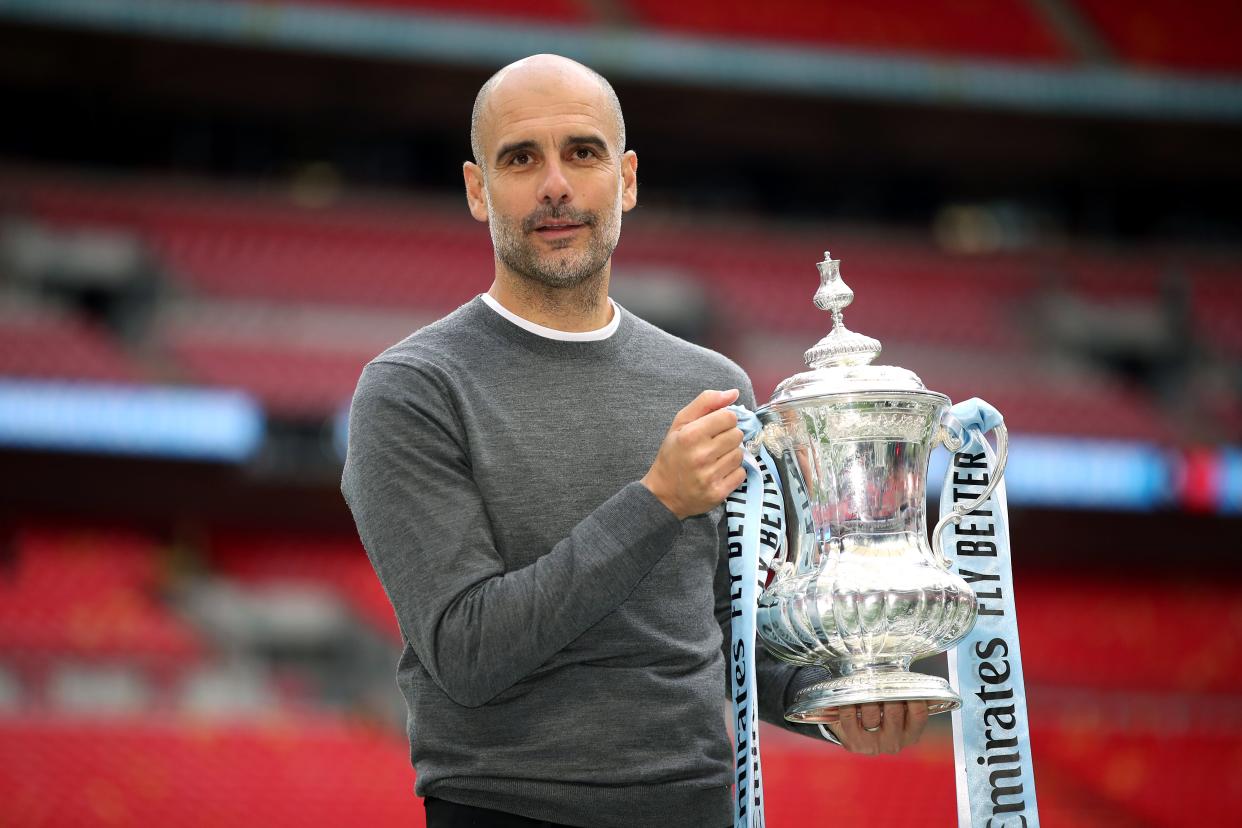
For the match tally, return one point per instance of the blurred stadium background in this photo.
(213, 213)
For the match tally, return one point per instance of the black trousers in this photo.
(444, 814)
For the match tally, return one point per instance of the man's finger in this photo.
(725, 464)
(893, 727)
(871, 716)
(703, 404)
(710, 425)
(852, 735)
(725, 442)
(916, 720)
(728, 483)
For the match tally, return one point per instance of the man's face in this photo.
(554, 181)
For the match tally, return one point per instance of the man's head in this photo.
(551, 175)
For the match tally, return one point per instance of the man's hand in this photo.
(700, 460)
(871, 729)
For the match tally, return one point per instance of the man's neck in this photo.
(584, 307)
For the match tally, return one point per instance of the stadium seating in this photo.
(39, 342)
(1101, 726)
(542, 11)
(90, 595)
(1009, 29)
(265, 248)
(298, 383)
(1199, 36)
(807, 784)
(335, 563)
(1217, 310)
(1067, 626)
(303, 770)
(1006, 29)
(767, 283)
(1159, 34)
(986, 325)
(1133, 682)
(94, 592)
(1158, 774)
(313, 770)
(1035, 404)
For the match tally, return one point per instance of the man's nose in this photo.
(555, 189)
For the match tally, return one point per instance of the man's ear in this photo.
(629, 180)
(475, 197)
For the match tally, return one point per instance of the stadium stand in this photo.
(300, 361)
(312, 771)
(1198, 36)
(1101, 725)
(275, 283)
(295, 771)
(339, 564)
(1155, 34)
(1008, 29)
(1067, 625)
(243, 246)
(87, 629)
(1125, 773)
(43, 340)
(546, 11)
(1217, 309)
(90, 595)
(295, 383)
(145, 683)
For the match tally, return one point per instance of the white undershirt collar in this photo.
(552, 333)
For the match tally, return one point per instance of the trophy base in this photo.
(820, 703)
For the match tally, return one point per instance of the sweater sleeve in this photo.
(477, 629)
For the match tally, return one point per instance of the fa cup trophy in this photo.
(857, 588)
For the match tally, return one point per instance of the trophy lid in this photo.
(840, 363)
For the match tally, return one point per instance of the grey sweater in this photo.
(562, 628)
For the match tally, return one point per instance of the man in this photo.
(551, 545)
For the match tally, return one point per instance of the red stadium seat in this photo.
(541, 11)
(90, 594)
(1106, 634)
(337, 563)
(1198, 36)
(1009, 29)
(253, 247)
(288, 381)
(1154, 773)
(38, 344)
(1216, 309)
(300, 771)
(428, 258)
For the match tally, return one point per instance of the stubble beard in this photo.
(517, 248)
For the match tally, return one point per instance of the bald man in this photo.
(538, 481)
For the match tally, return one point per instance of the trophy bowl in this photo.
(857, 587)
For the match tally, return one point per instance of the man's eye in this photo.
(521, 158)
(584, 153)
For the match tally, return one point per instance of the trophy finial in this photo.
(833, 293)
(841, 346)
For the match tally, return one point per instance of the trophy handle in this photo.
(960, 510)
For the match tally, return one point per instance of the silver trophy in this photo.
(856, 587)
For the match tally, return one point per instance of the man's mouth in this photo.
(558, 230)
(553, 229)
(552, 224)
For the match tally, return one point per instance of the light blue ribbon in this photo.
(991, 737)
(995, 779)
(756, 527)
